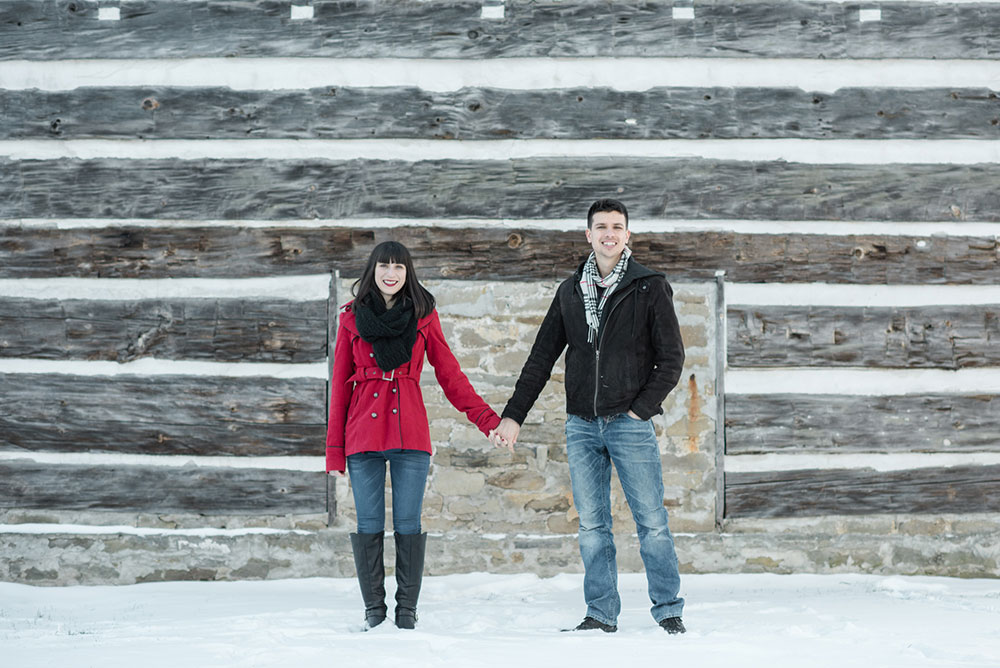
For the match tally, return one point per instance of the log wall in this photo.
(164, 415)
(934, 337)
(806, 178)
(123, 250)
(547, 188)
(456, 29)
(222, 330)
(475, 113)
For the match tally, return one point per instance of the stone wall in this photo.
(476, 487)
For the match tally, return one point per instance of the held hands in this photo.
(499, 442)
(505, 435)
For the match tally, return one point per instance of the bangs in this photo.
(391, 252)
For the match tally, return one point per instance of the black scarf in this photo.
(391, 332)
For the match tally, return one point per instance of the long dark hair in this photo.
(393, 252)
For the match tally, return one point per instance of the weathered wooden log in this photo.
(944, 337)
(813, 423)
(960, 489)
(222, 330)
(490, 253)
(163, 415)
(193, 489)
(265, 189)
(485, 113)
(48, 29)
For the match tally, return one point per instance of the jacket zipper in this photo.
(597, 347)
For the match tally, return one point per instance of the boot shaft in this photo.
(410, 549)
(368, 551)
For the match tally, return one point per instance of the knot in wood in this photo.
(150, 103)
(514, 240)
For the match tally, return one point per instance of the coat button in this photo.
(371, 354)
(394, 411)
(394, 390)
(374, 415)
(375, 395)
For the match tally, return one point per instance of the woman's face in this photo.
(389, 279)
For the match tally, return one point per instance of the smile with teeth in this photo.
(389, 283)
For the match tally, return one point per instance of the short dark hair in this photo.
(606, 204)
(393, 252)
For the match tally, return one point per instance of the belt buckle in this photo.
(392, 375)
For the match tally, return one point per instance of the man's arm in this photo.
(668, 353)
(549, 344)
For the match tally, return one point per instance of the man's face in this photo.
(608, 234)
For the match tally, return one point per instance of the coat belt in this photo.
(375, 373)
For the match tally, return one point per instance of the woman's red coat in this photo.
(371, 411)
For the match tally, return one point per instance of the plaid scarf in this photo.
(589, 281)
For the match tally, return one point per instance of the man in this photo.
(625, 355)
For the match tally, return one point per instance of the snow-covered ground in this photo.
(508, 621)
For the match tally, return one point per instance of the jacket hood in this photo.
(349, 321)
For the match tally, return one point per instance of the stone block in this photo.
(463, 506)
(549, 504)
(685, 295)
(453, 482)
(517, 480)
(562, 524)
(557, 453)
(689, 310)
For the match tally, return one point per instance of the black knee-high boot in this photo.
(409, 573)
(368, 548)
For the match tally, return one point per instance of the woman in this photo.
(377, 416)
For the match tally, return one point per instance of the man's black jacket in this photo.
(633, 362)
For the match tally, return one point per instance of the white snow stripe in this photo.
(288, 288)
(903, 2)
(827, 294)
(626, 74)
(315, 288)
(159, 367)
(804, 151)
(313, 464)
(34, 528)
(903, 461)
(636, 225)
(861, 382)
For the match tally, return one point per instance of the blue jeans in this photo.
(592, 445)
(408, 472)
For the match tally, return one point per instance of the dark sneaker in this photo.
(673, 625)
(591, 624)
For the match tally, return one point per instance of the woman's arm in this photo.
(453, 381)
(340, 399)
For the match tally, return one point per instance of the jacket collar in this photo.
(633, 272)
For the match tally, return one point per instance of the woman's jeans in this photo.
(408, 472)
(592, 446)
